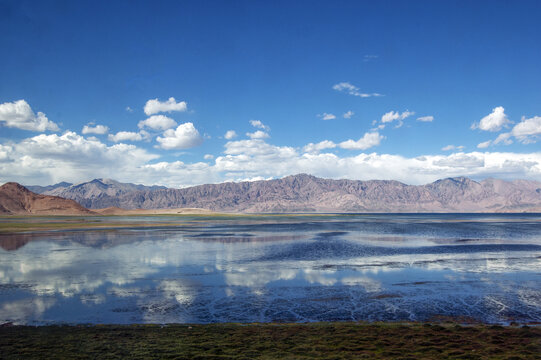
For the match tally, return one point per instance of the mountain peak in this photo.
(302, 176)
(456, 180)
(305, 175)
(13, 186)
(108, 181)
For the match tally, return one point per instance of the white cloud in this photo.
(47, 159)
(528, 130)
(352, 90)
(504, 138)
(369, 140)
(257, 135)
(208, 157)
(157, 122)
(125, 136)
(460, 160)
(258, 124)
(98, 129)
(19, 114)
(370, 57)
(484, 145)
(493, 121)
(453, 147)
(395, 115)
(348, 114)
(129, 109)
(251, 158)
(429, 118)
(230, 134)
(155, 106)
(185, 136)
(316, 148)
(70, 157)
(326, 116)
(257, 147)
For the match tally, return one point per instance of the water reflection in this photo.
(292, 269)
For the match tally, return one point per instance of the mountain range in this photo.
(306, 193)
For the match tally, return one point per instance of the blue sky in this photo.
(334, 88)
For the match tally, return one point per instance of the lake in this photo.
(275, 268)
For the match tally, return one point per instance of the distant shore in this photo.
(334, 340)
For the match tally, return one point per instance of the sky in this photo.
(181, 93)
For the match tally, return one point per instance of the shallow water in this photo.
(277, 268)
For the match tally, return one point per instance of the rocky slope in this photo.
(306, 193)
(15, 199)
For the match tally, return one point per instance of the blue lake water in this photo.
(385, 267)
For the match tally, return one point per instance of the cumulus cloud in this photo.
(69, 157)
(251, 158)
(257, 135)
(258, 124)
(395, 115)
(348, 114)
(461, 160)
(370, 139)
(494, 121)
(19, 114)
(326, 116)
(315, 148)
(98, 129)
(185, 136)
(155, 106)
(125, 136)
(230, 134)
(47, 159)
(352, 90)
(527, 130)
(157, 122)
(257, 147)
(453, 147)
(208, 157)
(484, 144)
(428, 118)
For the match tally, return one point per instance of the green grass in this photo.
(18, 227)
(272, 341)
(29, 223)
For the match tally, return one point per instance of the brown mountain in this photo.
(306, 193)
(15, 199)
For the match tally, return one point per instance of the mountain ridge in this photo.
(307, 193)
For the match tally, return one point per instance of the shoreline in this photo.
(27, 223)
(337, 340)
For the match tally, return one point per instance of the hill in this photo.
(15, 199)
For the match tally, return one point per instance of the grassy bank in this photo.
(272, 341)
(34, 223)
(18, 227)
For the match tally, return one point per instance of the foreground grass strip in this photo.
(8, 228)
(272, 341)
